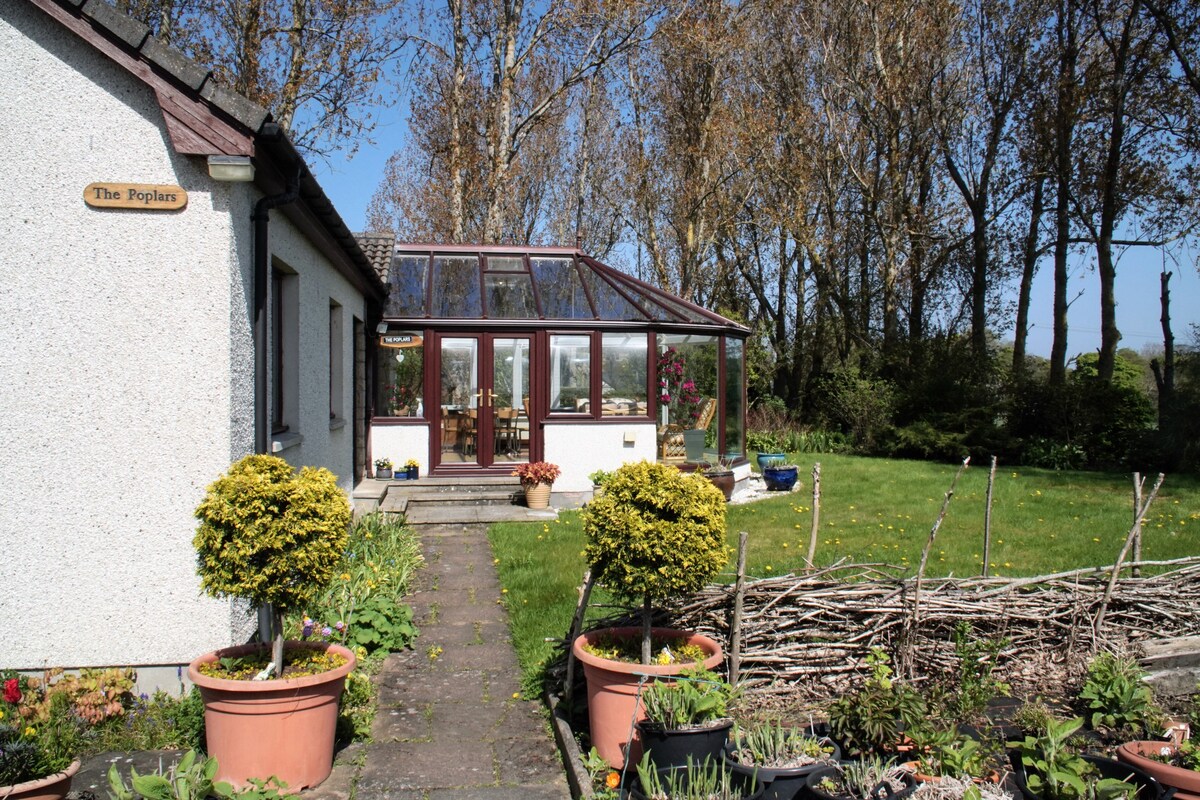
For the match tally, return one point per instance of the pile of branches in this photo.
(807, 636)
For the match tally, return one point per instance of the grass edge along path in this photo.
(874, 511)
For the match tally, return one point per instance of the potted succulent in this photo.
(36, 762)
(1172, 765)
(686, 717)
(655, 533)
(274, 538)
(781, 756)
(413, 468)
(695, 780)
(383, 469)
(769, 459)
(874, 718)
(780, 477)
(871, 778)
(537, 477)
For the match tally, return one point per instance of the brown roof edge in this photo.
(177, 79)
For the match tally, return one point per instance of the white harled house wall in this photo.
(126, 382)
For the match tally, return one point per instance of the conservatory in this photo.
(491, 356)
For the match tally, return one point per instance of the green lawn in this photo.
(878, 511)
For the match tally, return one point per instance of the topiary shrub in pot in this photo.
(654, 534)
(271, 536)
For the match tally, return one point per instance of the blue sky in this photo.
(350, 183)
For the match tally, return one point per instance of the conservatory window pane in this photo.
(570, 374)
(623, 370)
(456, 287)
(610, 304)
(686, 376)
(509, 295)
(506, 263)
(560, 290)
(401, 378)
(735, 416)
(407, 279)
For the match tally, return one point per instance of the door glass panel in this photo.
(459, 412)
(510, 399)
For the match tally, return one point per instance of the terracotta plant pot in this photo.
(285, 728)
(612, 688)
(723, 480)
(1185, 781)
(538, 495)
(51, 787)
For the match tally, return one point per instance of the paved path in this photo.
(449, 724)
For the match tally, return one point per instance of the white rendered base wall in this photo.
(582, 449)
(400, 443)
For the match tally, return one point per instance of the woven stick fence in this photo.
(807, 636)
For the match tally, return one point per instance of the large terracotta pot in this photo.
(285, 728)
(51, 787)
(612, 689)
(538, 495)
(1185, 781)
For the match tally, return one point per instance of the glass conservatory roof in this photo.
(539, 283)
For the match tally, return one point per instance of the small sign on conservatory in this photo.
(142, 196)
(400, 340)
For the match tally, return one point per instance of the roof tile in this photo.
(124, 28)
(186, 71)
(244, 110)
(378, 247)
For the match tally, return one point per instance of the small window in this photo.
(560, 289)
(506, 264)
(285, 351)
(337, 364)
(570, 374)
(623, 374)
(407, 280)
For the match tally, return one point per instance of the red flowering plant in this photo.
(38, 732)
(399, 396)
(536, 472)
(676, 391)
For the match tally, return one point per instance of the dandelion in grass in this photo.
(1095, 538)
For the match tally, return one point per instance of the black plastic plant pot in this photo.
(883, 791)
(780, 479)
(746, 787)
(778, 784)
(671, 748)
(1147, 787)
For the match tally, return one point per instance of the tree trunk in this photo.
(647, 644)
(1029, 259)
(458, 81)
(1064, 172)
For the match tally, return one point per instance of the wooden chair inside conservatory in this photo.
(671, 449)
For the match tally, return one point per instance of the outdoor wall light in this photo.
(381, 327)
(231, 168)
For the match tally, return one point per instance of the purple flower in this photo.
(341, 626)
(326, 631)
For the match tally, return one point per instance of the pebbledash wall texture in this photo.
(126, 381)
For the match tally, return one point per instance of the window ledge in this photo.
(285, 441)
(337, 423)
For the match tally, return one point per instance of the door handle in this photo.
(479, 398)
(492, 397)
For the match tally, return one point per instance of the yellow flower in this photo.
(1, 715)
(29, 731)
(345, 576)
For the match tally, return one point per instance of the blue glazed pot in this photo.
(780, 479)
(765, 459)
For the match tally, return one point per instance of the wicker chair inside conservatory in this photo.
(671, 449)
